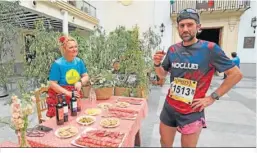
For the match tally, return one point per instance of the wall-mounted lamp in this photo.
(162, 28)
(253, 23)
(34, 3)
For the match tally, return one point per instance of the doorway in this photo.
(211, 34)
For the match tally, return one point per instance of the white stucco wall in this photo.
(143, 13)
(54, 12)
(245, 30)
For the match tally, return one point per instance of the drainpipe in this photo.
(65, 21)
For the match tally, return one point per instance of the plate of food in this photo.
(110, 122)
(99, 138)
(104, 106)
(93, 111)
(122, 104)
(66, 132)
(86, 120)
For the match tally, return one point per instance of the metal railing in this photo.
(84, 6)
(210, 5)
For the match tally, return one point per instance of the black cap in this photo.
(188, 13)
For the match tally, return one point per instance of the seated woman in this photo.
(66, 74)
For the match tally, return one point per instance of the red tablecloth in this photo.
(129, 127)
(8, 144)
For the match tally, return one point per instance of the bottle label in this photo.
(65, 109)
(60, 113)
(74, 106)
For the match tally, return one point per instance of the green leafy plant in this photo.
(149, 43)
(9, 37)
(98, 58)
(134, 55)
(82, 41)
(46, 47)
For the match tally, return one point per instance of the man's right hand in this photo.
(158, 56)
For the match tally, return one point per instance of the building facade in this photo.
(227, 23)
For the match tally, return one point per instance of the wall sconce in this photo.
(253, 23)
(62, 11)
(231, 28)
(34, 3)
(162, 28)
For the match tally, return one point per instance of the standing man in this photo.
(191, 64)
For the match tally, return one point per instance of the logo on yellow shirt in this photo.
(72, 76)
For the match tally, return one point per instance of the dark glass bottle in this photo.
(59, 112)
(65, 108)
(73, 103)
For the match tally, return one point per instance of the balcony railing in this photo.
(84, 6)
(210, 5)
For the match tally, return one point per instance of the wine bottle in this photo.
(59, 112)
(73, 103)
(65, 108)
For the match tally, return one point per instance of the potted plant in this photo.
(98, 58)
(102, 83)
(121, 85)
(122, 40)
(133, 64)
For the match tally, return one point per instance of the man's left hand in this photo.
(202, 103)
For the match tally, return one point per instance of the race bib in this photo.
(183, 90)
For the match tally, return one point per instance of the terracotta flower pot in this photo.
(120, 91)
(104, 93)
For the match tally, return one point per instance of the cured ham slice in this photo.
(122, 113)
(131, 100)
(100, 138)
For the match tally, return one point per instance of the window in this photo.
(30, 55)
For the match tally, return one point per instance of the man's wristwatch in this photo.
(215, 96)
(157, 65)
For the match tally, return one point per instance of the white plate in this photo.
(119, 104)
(104, 105)
(127, 118)
(87, 116)
(122, 118)
(65, 137)
(97, 111)
(73, 142)
(113, 126)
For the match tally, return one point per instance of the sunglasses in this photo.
(188, 10)
(34, 132)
